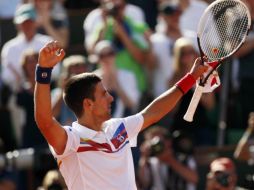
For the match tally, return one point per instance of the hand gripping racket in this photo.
(222, 30)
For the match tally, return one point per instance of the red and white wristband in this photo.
(186, 83)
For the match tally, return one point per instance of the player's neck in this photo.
(90, 123)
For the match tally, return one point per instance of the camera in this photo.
(222, 178)
(26, 159)
(112, 9)
(156, 146)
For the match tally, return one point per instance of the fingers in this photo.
(61, 54)
(205, 59)
(51, 54)
(53, 48)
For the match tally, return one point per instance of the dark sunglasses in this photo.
(171, 10)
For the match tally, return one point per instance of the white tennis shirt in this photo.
(95, 160)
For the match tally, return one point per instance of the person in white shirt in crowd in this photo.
(11, 72)
(95, 152)
(27, 38)
(97, 16)
(192, 11)
(162, 45)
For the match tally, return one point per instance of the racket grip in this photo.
(193, 104)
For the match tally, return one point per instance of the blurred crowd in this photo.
(140, 49)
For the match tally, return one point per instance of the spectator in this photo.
(12, 73)
(120, 83)
(72, 65)
(27, 38)
(99, 15)
(164, 167)
(130, 40)
(162, 43)
(222, 175)
(184, 53)
(192, 11)
(52, 20)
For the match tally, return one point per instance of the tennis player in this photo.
(95, 152)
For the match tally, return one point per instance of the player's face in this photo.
(102, 103)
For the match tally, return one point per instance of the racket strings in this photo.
(224, 27)
(228, 41)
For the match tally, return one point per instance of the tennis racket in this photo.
(222, 30)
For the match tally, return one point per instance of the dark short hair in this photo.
(78, 88)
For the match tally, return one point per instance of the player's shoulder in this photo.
(112, 123)
(68, 128)
(71, 130)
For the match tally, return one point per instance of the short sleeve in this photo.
(73, 141)
(133, 125)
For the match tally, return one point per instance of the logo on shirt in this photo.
(119, 136)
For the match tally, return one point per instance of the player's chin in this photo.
(108, 115)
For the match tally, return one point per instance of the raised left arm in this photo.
(167, 101)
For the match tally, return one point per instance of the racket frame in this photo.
(202, 81)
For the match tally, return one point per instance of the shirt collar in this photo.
(84, 131)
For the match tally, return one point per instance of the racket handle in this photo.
(193, 104)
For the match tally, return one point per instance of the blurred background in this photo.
(145, 47)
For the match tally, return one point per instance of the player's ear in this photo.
(87, 103)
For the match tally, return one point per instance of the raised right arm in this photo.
(54, 133)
